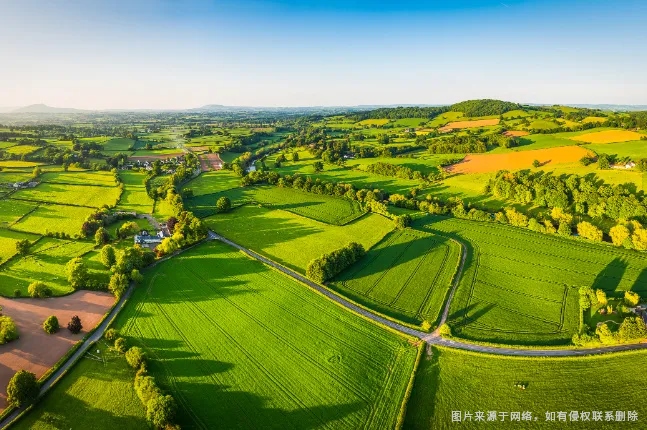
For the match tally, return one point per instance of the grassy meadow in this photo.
(454, 380)
(319, 207)
(243, 346)
(407, 275)
(97, 394)
(520, 287)
(293, 240)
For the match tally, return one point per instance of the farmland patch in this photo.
(609, 136)
(37, 351)
(225, 317)
(293, 240)
(482, 163)
(54, 219)
(457, 125)
(77, 195)
(407, 275)
(520, 287)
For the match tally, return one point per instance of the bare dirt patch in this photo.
(210, 162)
(456, 125)
(37, 351)
(483, 163)
(515, 133)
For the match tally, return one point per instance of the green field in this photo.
(243, 346)
(77, 195)
(319, 207)
(46, 263)
(293, 240)
(80, 178)
(520, 287)
(8, 240)
(54, 218)
(97, 394)
(634, 150)
(118, 144)
(134, 198)
(213, 182)
(457, 380)
(12, 210)
(407, 275)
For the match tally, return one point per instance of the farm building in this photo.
(147, 240)
(628, 165)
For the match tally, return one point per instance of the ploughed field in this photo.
(521, 287)
(37, 351)
(406, 276)
(241, 345)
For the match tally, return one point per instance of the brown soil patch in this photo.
(516, 133)
(210, 162)
(37, 351)
(469, 124)
(483, 163)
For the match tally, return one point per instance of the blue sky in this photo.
(172, 54)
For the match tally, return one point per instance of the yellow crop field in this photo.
(609, 136)
(469, 124)
(374, 122)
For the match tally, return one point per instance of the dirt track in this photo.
(483, 163)
(37, 351)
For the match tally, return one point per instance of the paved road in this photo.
(433, 338)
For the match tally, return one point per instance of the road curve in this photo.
(433, 338)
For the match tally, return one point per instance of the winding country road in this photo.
(432, 338)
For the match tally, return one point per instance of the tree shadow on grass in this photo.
(422, 404)
(609, 278)
(640, 284)
(78, 413)
(213, 404)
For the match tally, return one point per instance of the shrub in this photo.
(589, 231)
(328, 265)
(631, 298)
(51, 324)
(111, 334)
(38, 289)
(426, 325)
(118, 284)
(445, 330)
(17, 293)
(23, 389)
(136, 276)
(121, 345)
(22, 247)
(160, 411)
(223, 204)
(77, 273)
(8, 329)
(108, 256)
(75, 325)
(402, 221)
(135, 357)
(146, 388)
(101, 237)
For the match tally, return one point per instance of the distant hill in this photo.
(484, 107)
(41, 108)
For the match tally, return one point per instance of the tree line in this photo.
(328, 265)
